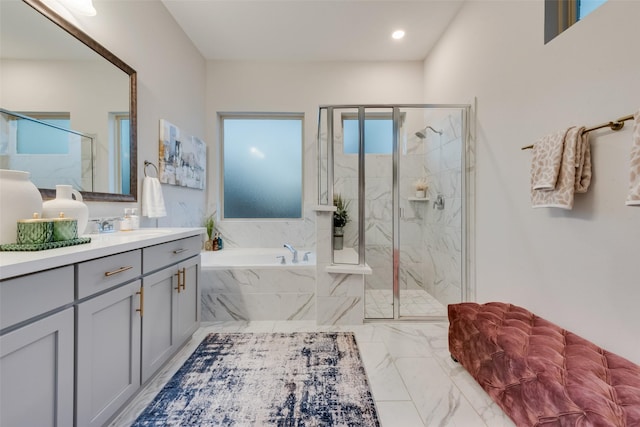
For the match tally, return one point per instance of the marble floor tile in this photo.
(398, 414)
(384, 379)
(413, 380)
(438, 400)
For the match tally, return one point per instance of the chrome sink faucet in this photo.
(294, 252)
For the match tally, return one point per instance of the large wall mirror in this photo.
(68, 106)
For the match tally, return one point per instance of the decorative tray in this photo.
(43, 246)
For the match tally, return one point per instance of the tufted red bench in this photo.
(539, 373)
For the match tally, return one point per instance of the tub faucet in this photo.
(294, 252)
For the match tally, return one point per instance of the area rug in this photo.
(281, 379)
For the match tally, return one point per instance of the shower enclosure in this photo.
(377, 158)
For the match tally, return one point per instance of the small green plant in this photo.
(341, 215)
(209, 224)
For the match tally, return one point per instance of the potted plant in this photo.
(209, 224)
(340, 219)
(421, 187)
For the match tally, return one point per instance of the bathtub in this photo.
(252, 284)
(254, 258)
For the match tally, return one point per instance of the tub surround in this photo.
(251, 284)
(256, 258)
(258, 293)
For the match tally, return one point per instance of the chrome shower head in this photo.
(422, 133)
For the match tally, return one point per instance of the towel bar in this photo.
(615, 125)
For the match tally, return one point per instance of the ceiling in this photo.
(313, 30)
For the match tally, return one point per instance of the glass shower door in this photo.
(430, 225)
(378, 212)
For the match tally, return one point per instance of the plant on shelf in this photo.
(421, 187)
(340, 219)
(209, 224)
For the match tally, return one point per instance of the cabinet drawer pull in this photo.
(179, 251)
(120, 270)
(179, 285)
(141, 309)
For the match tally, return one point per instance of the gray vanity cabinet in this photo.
(36, 349)
(108, 336)
(188, 313)
(78, 340)
(171, 299)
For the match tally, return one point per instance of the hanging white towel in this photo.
(633, 198)
(574, 175)
(152, 199)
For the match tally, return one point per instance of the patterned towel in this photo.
(574, 176)
(633, 199)
(547, 157)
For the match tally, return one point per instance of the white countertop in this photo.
(19, 263)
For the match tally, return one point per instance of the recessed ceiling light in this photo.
(398, 34)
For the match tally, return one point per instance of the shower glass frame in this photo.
(326, 184)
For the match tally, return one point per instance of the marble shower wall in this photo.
(442, 237)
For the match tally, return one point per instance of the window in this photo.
(378, 134)
(34, 138)
(561, 14)
(119, 154)
(585, 7)
(262, 165)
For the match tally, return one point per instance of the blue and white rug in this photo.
(280, 379)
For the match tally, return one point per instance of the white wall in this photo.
(237, 86)
(576, 268)
(171, 85)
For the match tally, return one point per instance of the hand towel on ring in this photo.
(152, 198)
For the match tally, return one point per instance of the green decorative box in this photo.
(34, 231)
(64, 229)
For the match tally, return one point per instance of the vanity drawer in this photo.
(159, 256)
(103, 273)
(28, 296)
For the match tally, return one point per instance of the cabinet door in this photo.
(188, 312)
(108, 353)
(158, 335)
(36, 373)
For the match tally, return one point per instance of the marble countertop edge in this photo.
(13, 264)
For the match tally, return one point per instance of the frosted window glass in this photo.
(378, 136)
(35, 138)
(262, 167)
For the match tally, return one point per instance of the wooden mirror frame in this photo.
(92, 44)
